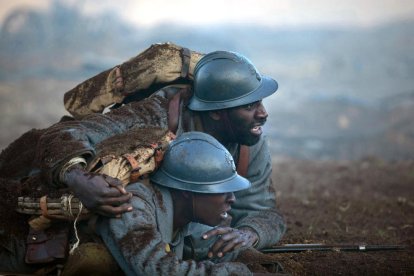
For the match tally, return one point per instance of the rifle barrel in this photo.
(292, 248)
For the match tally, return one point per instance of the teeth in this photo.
(224, 215)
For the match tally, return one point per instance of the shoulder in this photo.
(141, 190)
(148, 192)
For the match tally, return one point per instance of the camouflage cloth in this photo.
(158, 66)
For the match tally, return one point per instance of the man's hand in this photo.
(98, 193)
(230, 239)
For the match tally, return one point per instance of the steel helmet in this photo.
(197, 162)
(226, 79)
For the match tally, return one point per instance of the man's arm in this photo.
(255, 208)
(66, 140)
(138, 246)
(159, 65)
(77, 140)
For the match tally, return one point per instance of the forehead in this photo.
(208, 196)
(246, 105)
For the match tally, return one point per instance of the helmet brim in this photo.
(267, 87)
(233, 184)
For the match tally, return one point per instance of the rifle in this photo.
(294, 248)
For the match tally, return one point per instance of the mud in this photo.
(78, 136)
(134, 241)
(138, 77)
(362, 202)
(128, 142)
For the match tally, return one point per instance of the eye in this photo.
(251, 106)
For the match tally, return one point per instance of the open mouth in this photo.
(257, 130)
(224, 215)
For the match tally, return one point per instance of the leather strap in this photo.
(174, 112)
(132, 161)
(43, 206)
(186, 57)
(119, 81)
(134, 176)
(243, 162)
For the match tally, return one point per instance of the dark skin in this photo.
(236, 125)
(104, 195)
(197, 207)
(107, 197)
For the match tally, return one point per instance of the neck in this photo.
(182, 213)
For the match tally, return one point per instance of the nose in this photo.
(231, 198)
(261, 111)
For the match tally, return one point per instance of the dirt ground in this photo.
(368, 202)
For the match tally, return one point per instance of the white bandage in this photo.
(72, 162)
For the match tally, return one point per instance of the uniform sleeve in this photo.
(136, 243)
(256, 206)
(65, 140)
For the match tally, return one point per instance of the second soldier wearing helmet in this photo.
(196, 182)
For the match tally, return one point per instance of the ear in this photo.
(214, 115)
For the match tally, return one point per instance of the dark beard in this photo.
(243, 135)
(248, 140)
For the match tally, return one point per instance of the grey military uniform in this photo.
(143, 243)
(254, 208)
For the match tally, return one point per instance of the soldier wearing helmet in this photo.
(195, 183)
(225, 102)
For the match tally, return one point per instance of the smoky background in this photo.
(345, 71)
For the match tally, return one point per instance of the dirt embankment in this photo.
(364, 202)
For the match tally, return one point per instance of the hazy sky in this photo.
(269, 12)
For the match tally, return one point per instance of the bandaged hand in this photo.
(98, 193)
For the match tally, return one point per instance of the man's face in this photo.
(212, 209)
(246, 122)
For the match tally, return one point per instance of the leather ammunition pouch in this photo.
(47, 246)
